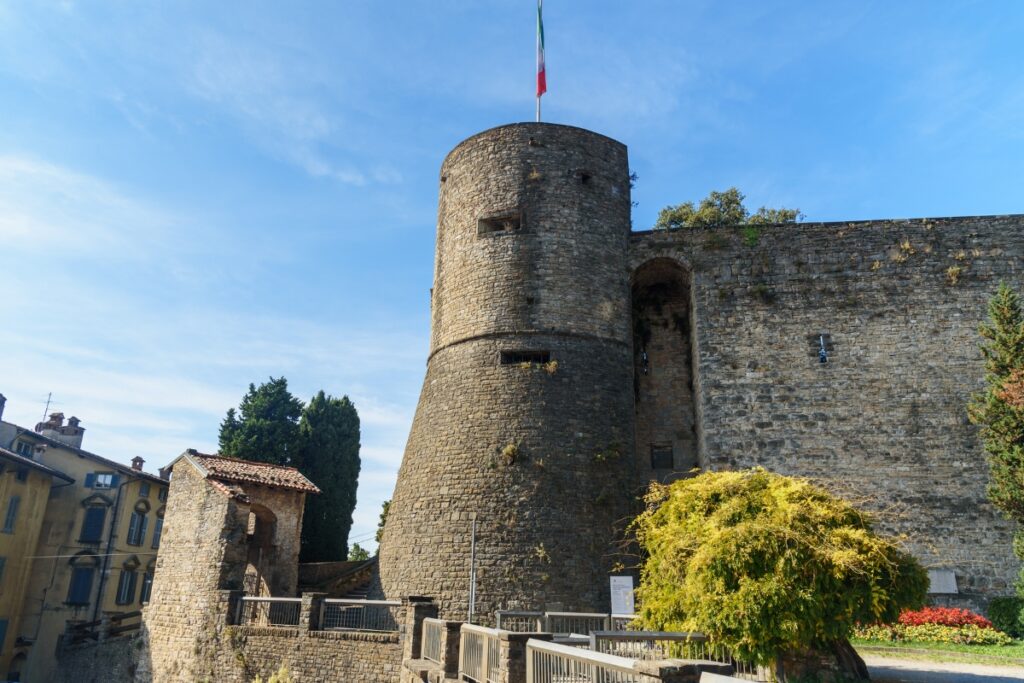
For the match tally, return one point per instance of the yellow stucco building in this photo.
(85, 533)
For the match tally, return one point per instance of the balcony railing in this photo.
(360, 615)
(268, 611)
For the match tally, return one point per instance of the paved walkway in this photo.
(890, 670)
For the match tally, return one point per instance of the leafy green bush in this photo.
(1005, 613)
(968, 634)
(765, 564)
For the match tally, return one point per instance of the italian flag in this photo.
(542, 80)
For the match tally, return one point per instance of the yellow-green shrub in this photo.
(764, 564)
(968, 634)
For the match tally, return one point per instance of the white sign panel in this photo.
(622, 594)
(942, 581)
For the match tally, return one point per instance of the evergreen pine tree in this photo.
(266, 427)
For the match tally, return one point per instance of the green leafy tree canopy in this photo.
(765, 564)
(320, 439)
(266, 426)
(358, 553)
(721, 209)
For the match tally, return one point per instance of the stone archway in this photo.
(664, 376)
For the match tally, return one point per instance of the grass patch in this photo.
(983, 654)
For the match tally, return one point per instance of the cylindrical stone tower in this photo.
(525, 421)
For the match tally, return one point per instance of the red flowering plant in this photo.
(944, 616)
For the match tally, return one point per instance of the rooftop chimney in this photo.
(3, 402)
(137, 463)
(54, 428)
(165, 473)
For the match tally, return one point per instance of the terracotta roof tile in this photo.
(226, 469)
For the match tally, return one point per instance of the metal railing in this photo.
(479, 654)
(360, 615)
(519, 621)
(671, 645)
(268, 611)
(561, 623)
(553, 663)
(433, 630)
(575, 622)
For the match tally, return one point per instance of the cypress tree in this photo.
(999, 409)
(329, 445)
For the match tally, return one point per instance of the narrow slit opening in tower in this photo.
(503, 224)
(519, 356)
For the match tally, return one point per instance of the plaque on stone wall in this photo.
(941, 581)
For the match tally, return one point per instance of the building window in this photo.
(137, 528)
(22, 474)
(162, 495)
(661, 457)
(126, 586)
(24, 448)
(12, 514)
(157, 530)
(100, 480)
(81, 585)
(92, 525)
(3, 565)
(144, 490)
(147, 586)
(3, 633)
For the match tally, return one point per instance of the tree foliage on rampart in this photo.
(766, 565)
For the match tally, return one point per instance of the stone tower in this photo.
(525, 422)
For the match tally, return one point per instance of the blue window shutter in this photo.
(92, 527)
(133, 529)
(81, 585)
(115, 480)
(3, 565)
(90, 480)
(157, 530)
(3, 632)
(12, 514)
(142, 529)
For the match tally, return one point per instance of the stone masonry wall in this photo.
(114, 661)
(182, 617)
(538, 453)
(885, 419)
(250, 651)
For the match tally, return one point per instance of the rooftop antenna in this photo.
(46, 410)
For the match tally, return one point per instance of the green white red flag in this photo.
(542, 80)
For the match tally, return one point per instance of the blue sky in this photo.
(195, 196)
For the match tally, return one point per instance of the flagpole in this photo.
(539, 3)
(541, 76)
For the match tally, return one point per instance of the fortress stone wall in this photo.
(572, 362)
(885, 419)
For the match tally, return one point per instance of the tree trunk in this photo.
(838, 663)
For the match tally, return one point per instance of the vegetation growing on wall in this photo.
(766, 565)
(720, 209)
